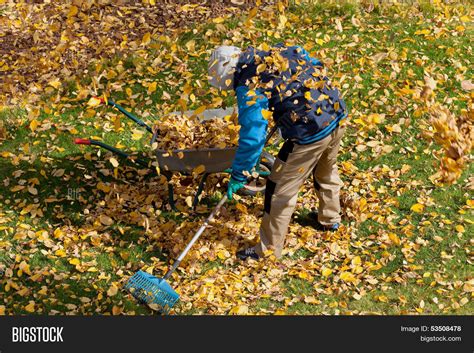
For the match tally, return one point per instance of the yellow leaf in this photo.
(418, 208)
(241, 208)
(191, 45)
(253, 12)
(267, 114)
(58, 233)
(200, 110)
(423, 31)
(114, 162)
(30, 307)
(25, 268)
(34, 124)
(60, 253)
(326, 272)
(218, 20)
(89, 113)
(152, 87)
(311, 300)
(465, 18)
(239, 310)
(75, 261)
(347, 277)
(2, 310)
(112, 291)
(117, 124)
(283, 20)
(394, 238)
(459, 228)
(146, 38)
(223, 254)
(261, 68)
(189, 201)
(124, 255)
(73, 10)
(55, 83)
(137, 134)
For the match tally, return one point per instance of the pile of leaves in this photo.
(67, 39)
(181, 131)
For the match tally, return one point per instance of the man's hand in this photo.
(233, 187)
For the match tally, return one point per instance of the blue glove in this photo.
(234, 186)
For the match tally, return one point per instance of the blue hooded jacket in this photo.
(309, 112)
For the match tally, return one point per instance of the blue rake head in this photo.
(151, 290)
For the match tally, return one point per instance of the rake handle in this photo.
(195, 238)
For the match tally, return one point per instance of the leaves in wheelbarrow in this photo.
(180, 131)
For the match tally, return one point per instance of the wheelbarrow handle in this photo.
(126, 113)
(119, 152)
(79, 141)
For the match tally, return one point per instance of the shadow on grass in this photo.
(64, 189)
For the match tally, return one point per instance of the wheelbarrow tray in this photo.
(214, 160)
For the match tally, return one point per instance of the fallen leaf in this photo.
(114, 162)
(418, 208)
(106, 220)
(113, 290)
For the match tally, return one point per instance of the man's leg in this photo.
(328, 183)
(293, 165)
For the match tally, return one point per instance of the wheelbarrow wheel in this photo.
(256, 186)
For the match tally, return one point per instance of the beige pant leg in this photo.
(293, 165)
(328, 183)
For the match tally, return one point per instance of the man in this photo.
(289, 83)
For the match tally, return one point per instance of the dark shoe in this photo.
(331, 228)
(246, 253)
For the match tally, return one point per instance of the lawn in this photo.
(74, 228)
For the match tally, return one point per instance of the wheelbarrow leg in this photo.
(168, 176)
(199, 190)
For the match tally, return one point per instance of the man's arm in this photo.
(252, 132)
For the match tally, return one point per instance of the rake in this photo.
(149, 289)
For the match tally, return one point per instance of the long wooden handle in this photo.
(195, 238)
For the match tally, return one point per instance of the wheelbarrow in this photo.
(214, 160)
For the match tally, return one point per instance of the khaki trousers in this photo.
(292, 166)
